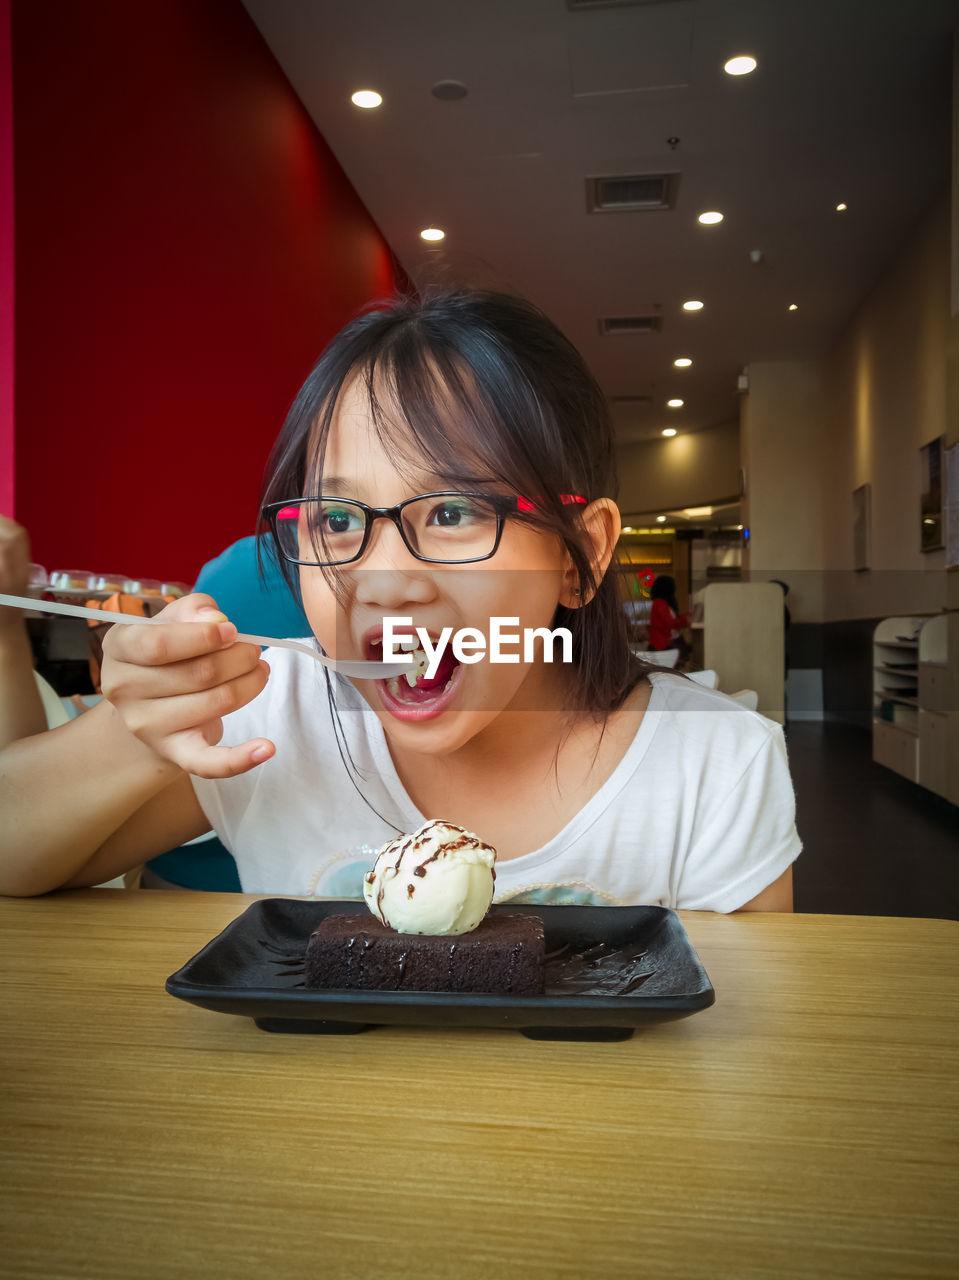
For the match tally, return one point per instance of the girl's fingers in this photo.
(193, 754)
(163, 643)
(191, 675)
(154, 718)
(174, 681)
(169, 638)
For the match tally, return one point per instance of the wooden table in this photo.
(804, 1126)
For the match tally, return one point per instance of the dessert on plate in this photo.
(430, 893)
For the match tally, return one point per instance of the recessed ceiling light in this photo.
(675, 404)
(661, 519)
(711, 218)
(366, 98)
(842, 207)
(432, 233)
(793, 307)
(669, 431)
(627, 528)
(740, 65)
(683, 362)
(692, 306)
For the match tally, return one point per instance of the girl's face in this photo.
(525, 580)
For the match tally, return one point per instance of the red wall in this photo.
(185, 245)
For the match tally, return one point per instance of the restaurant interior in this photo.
(761, 269)
(745, 215)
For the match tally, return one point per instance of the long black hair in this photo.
(470, 380)
(664, 588)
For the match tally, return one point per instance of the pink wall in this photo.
(6, 267)
(186, 244)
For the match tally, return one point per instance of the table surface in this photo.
(804, 1125)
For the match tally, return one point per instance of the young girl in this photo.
(448, 462)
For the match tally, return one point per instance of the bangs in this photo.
(444, 426)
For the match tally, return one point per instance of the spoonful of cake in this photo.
(359, 669)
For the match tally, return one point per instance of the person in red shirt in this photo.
(666, 623)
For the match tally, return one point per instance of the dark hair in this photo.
(664, 588)
(480, 382)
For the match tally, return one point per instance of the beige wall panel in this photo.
(743, 640)
(885, 390)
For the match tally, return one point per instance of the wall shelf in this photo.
(916, 705)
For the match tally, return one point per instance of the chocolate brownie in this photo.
(503, 955)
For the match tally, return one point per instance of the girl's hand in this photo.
(14, 569)
(172, 683)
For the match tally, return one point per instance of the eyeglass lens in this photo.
(449, 528)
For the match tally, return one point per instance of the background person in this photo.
(666, 623)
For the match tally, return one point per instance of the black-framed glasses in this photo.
(440, 528)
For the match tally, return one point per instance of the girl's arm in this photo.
(777, 896)
(67, 795)
(100, 794)
(21, 708)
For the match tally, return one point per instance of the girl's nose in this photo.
(388, 576)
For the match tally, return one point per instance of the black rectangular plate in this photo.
(609, 970)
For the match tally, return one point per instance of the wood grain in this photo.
(804, 1126)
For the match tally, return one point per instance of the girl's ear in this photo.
(602, 521)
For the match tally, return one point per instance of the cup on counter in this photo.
(109, 582)
(142, 586)
(66, 580)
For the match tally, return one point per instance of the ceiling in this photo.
(851, 101)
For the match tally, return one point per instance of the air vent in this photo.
(631, 193)
(578, 6)
(631, 324)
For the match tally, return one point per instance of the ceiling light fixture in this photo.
(432, 233)
(842, 207)
(683, 362)
(366, 98)
(627, 528)
(741, 65)
(793, 307)
(669, 431)
(661, 519)
(675, 404)
(692, 305)
(711, 218)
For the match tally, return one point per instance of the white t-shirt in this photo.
(699, 813)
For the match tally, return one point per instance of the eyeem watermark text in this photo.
(470, 645)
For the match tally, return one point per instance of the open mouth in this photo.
(414, 689)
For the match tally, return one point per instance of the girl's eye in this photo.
(455, 514)
(341, 519)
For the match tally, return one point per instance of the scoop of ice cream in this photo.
(437, 880)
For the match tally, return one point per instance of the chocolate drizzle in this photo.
(598, 970)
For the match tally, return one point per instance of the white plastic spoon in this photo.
(360, 670)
